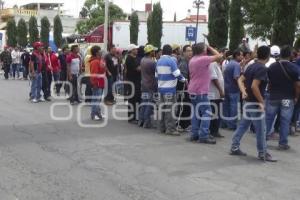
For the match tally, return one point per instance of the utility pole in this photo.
(198, 4)
(105, 39)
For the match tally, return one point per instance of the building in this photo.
(39, 9)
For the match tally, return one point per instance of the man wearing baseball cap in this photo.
(36, 64)
(133, 75)
(275, 55)
(148, 86)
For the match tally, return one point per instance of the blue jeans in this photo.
(285, 107)
(96, 100)
(36, 86)
(201, 116)
(15, 69)
(146, 109)
(56, 78)
(251, 115)
(230, 110)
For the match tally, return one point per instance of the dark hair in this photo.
(73, 47)
(236, 53)
(65, 48)
(185, 48)
(286, 51)
(167, 50)
(141, 52)
(95, 50)
(263, 52)
(111, 47)
(199, 48)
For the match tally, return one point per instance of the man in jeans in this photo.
(35, 66)
(148, 87)
(252, 85)
(6, 60)
(284, 88)
(74, 66)
(167, 74)
(232, 73)
(198, 89)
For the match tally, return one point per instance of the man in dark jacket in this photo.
(6, 59)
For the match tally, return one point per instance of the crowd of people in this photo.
(196, 89)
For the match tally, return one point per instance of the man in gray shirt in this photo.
(148, 86)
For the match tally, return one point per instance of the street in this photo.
(46, 159)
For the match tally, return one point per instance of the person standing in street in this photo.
(63, 71)
(54, 63)
(168, 75)
(6, 60)
(148, 87)
(87, 72)
(25, 62)
(73, 69)
(133, 75)
(252, 85)
(97, 79)
(216, 96)
(200, 78)
(232, 73)
(16, 62)
(35, 66)
(284, 90)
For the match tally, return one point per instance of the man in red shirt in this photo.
(53, 65)
(98, 70)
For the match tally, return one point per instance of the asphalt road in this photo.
(46, 159)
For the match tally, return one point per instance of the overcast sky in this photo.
(169, 6)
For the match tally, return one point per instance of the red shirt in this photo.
(37, 60)
(98, 73)
(53, 63)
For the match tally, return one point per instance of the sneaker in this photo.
(180, 129)
(209, 140)
(34, 101)
(217, 135)
(140, 124)
(174, 133)
(237, 152)
(193, 139)
(48, 99)
(266, 157)
(283, 147)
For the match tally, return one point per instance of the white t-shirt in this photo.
(216, 74)
(271, 61)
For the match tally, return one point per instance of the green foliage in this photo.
(94, 15)
(11, 33)
(236, 24)
(218, 23)
(22, 33)
(149, 29)
(134, 28)
(45, 30)
(33, 30)
(285, 22)
(57, 31)
(157, 25)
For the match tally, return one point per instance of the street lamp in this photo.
(198, 4)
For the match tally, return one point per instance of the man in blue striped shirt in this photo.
(167, 74)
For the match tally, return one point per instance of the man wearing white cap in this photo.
(275, 54)
(133, 75)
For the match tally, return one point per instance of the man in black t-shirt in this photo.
(252, 85)
(284, 88)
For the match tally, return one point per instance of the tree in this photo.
(57, 31)
(236, 24)
(134, 28)
(22, 32)
(285, 22)
(94, 14)
(157, 25)
(33, 30)
(149, 29)
(45, 30)
(218, 23)
(11, 33)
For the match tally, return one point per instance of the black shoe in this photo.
(208, 141)
(193, 139)
(48, 99)
(217, 135)
(283, 147)
(237, 152)
(266, 157)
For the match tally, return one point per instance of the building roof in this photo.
(28, 2)
(193, 18)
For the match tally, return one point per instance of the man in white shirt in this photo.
(216, 96)
(16, 62)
